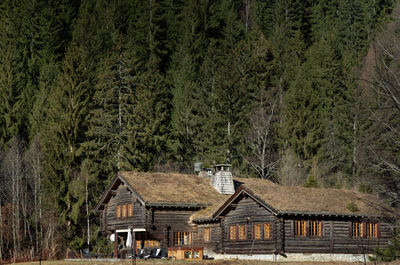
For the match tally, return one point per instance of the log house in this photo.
(200, 215)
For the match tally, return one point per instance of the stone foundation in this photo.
(296, 257)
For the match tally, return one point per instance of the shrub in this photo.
(365, 188)
(352, 207)
(311, 182)
(390, 253)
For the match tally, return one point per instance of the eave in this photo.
(176, 205)
(205, 221)
(332, 215)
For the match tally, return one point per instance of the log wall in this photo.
(336, 238)
(214, 244)
(248, 212)
(161, 223)
(164, 223)
(307, 244)
(124, 196)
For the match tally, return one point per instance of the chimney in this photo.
(222, 180)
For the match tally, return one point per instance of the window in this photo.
(257, 231)
(300, 228)
(371, 229)
(357, 229)
(118, 211)
(232, 232)
(315, 228)
(124, 210)
(242, 232)
(366, 230)
(207, 234)
(130, 210)
(267, 231)
(151, 243)
(182, 238)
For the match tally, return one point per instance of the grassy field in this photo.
(172, 262)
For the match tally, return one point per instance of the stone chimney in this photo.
(222, 180)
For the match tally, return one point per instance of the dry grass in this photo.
(172, 262)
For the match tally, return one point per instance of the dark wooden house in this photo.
(221, 215)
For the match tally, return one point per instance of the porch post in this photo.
(134, 243)
(115, 244)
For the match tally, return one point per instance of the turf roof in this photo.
(316, 200)
(181, 188)
(173, 188)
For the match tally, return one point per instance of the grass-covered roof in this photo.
(191, 189)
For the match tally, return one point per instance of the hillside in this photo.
(89, 88)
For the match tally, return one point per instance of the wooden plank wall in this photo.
(306, 244)
(161, 223)
(214, 244)
(124, 196)
(249, 212)
(166, 222)
(343, 243)
(335, 239)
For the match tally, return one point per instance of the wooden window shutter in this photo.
(236, 233)
(378, 230)
(130, 209)
(364, 229)
(124, 210)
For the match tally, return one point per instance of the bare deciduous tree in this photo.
(387, 87)
(33, 160)
(388, 62)
(12, 168)
(260, 139)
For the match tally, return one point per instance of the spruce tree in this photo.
(65, 134)
(110, 112)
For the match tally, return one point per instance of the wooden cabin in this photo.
(194, 216)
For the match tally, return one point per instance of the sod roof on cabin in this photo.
(192, 189)
(173, 188)
(316, 200)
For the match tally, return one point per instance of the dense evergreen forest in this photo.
(300, 92)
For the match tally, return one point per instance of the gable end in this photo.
(111, 188)
(242, 191)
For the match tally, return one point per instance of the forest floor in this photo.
(173, 262)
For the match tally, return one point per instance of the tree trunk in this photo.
(87, 211)
(14, 234)
(35, 198)
(1, 234)
(354, 162)
(247, 15)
